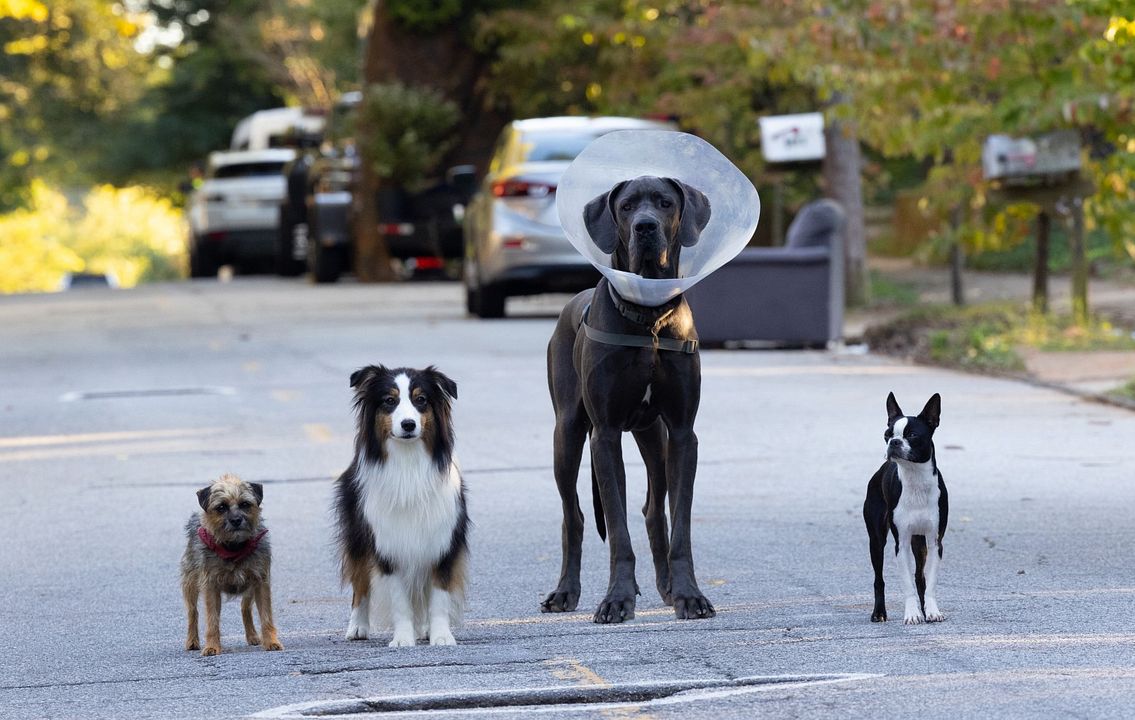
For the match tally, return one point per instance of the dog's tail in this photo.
(597, 501)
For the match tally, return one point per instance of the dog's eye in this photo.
(390, 401)
(627, 207)
(420, 402)
(222, 508)
(887, 434)
(244, 505)
(666, 204)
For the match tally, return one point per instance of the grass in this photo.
(1125, 392)
(886, 292)
(986, 338)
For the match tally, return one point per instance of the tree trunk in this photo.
(439, 59)
(957, 259)
(842, 182)
(1079, 265)
(1040, 269)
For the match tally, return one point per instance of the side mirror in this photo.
(463, 179)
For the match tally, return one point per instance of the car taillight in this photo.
(522, 188)
(215, 236)
(401, 229)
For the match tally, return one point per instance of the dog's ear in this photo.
(599, 218)
(894, 412)
(364, 375)
(203, 497)
(695, 212)
(258, 491)
(442, 380)
(932, 413)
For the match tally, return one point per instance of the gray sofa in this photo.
(785, 296)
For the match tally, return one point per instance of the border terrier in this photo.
(227, 552)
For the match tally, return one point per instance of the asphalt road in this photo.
(115, 407)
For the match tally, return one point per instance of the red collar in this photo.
(224, 553)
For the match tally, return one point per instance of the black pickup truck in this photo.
(317, 218)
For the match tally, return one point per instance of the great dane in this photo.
(615, 366)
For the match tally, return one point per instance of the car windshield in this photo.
(555, 146)
(242, 170)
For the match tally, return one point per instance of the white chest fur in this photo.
(412, 508)
(917, 510)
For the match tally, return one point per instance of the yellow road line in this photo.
(318, 433)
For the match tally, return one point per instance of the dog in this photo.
(400, 507)
(614, 366)
(907, 496)
(227, 553)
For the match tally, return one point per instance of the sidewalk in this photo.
(1088, 374)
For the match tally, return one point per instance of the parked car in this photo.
(234, 212)
(514, 244)
(420, 227)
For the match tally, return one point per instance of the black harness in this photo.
(647, 317)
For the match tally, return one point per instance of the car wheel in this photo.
(201, 264)
(490, 302)
(325, 263)
(286, 263)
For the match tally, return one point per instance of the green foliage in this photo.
(986, 338)
(129, 232)
(403, 132)
(423, 15)
(886, 292)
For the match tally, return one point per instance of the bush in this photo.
(405, 132)
(129, 232)
(985, 338)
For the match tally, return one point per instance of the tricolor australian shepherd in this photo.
(401, 508)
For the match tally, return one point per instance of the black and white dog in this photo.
(400, 507)
(615, 366)
(907, 496)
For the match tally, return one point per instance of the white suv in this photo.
(235, 212)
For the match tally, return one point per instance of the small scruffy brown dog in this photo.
(227, 552)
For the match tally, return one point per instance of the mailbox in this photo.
(792, 138)
(1044, 160)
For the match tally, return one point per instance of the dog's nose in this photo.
(645, 226)
(236, 520)
(409, 425)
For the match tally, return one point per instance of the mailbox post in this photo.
(1045, 171)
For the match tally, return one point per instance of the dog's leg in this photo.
(571, 432)
(440, 611)
(912, 614)
(190, 592)
(401, 609)
(212, 621)
(875, 518)
(358, 628)
(681, 465)
(246, 617)
(933, 614)
(607, 458)
(918, 546)
(267, 624)
(652, 445)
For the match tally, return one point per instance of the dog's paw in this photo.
(913, 613)
(252, 639)
(210, 650)
(560, 601)
(879, 616)
(357, 632)
(442, 637)
(404, 640)
(273, 645)
(693, 607)
(193, 644)
(615, 610)
(933, 614)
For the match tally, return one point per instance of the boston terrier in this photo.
(908, 496)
